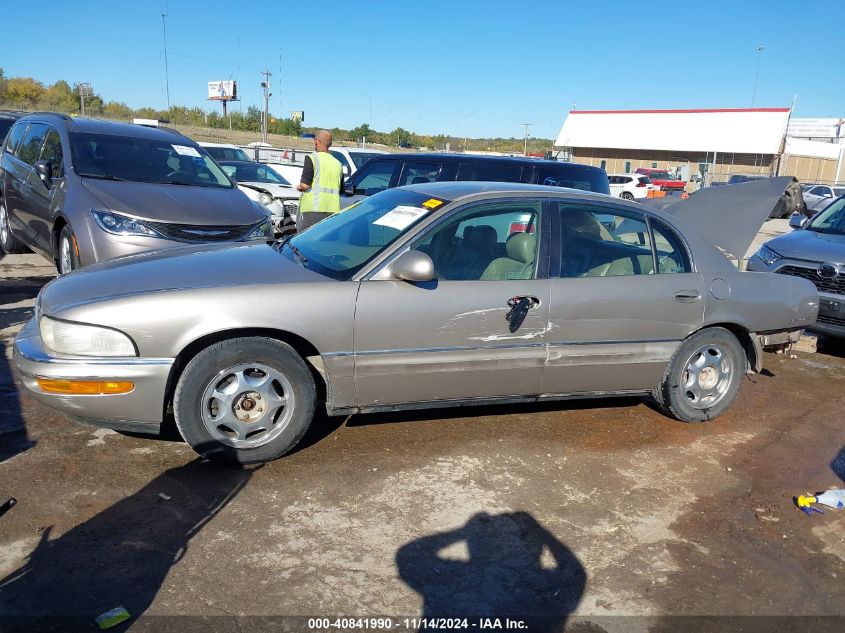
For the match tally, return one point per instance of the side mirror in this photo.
(44, 169)
(412, 266)
(348, 189)
(797, 221)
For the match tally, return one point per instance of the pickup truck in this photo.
(662, 179)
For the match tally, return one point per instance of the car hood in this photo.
(277, 191)
(183, 267)
(181, 204)
(810, 245)
(731, 217)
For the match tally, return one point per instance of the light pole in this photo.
(166, 75)
(466, 125)
(525, 149)
(759, 50)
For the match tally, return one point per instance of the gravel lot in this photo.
(603, 515)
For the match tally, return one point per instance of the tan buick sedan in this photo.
(429, 295)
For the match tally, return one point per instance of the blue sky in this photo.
(425, 65)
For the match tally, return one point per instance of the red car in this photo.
(663, 179)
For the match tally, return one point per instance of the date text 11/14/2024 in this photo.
(414, 624)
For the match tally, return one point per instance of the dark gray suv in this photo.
(78, 191)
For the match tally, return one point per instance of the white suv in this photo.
(629, 186)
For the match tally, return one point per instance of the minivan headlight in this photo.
(263, 231)
(768, 256)
(79, 339)
(117, 224)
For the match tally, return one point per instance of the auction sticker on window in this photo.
(184, 150)
(401, 217)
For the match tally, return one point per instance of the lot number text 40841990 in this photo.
(386, 624)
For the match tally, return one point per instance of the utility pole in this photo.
(525, 150)
(84, 91)
(759, 50)
(166, 74)
(265, 87)
(466, 125)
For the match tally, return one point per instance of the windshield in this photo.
(342, 244)
(253, 172)
(359, 158)
(113, 157)
(226, 153)
(839, 191)
(831, 220)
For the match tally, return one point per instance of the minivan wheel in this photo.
(704, 376)
(9, 243)
(626, 195)
(244, 400)
(68, 260)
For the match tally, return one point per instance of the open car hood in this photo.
(730, 217)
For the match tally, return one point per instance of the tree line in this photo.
(26, 93)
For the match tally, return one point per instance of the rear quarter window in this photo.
(15, 136)
(490, 172)
(573, 176)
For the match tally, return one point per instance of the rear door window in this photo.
(490, 172)
(572, 176)
(15, 136)
(31, 143)
(52, 152)
(419, 172)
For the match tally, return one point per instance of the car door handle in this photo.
(519, 307)
(687, 296)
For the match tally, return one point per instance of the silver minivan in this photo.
(79, 191)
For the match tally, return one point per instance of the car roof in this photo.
(227, 145)
(477, 158)
(102, 126)
(363, 150)
(629, 175)
(451, 190)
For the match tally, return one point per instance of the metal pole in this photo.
(525, 147)
(759, 49)
(166, 74)
(81, 100)
(265, 119)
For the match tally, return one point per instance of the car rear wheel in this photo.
(244, 400)
(8, 242)
(704, 376)
(626, 195)
(68, 260)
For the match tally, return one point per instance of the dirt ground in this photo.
(599, 515)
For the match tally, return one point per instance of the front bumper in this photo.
(142, 409)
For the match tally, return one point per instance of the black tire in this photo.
(8, 242)
(677, 401)
(626, 195)
(66, 262)
(207, 369)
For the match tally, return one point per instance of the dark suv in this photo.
(396, 170)
(79, 191)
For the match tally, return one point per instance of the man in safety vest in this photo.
(321, 183)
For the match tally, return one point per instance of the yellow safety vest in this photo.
(324, 195)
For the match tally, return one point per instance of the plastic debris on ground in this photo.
(834, 498)
(112, 618)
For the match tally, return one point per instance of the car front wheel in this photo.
(704, 376)
(244, 400)
(626, 195)
(9, 243)
(68, 259)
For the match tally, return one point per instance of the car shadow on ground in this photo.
(831, 345)
(119, 557)
(495, 566)
(13, 435)
(838, 464)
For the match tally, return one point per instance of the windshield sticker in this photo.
(401, 217)
(432, 203)
(184, 150)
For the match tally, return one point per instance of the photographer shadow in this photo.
(499, 566)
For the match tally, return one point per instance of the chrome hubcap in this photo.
(707, 376)
(65, 261)
(247, 405)
(4, 229)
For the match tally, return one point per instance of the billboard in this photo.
(828, 127)
(223, 90)
(297, 115)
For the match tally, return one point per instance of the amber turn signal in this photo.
(84, 387)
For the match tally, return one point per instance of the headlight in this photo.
(79, 339)
(768, 256)
(265, 198)
(263, 231)
(122, 225)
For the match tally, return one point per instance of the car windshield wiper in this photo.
(302, 258)
(102, 177)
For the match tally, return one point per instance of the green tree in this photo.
(60, 98)
(24, 92)
(2, 86)
(118, 111)
(362, 131)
